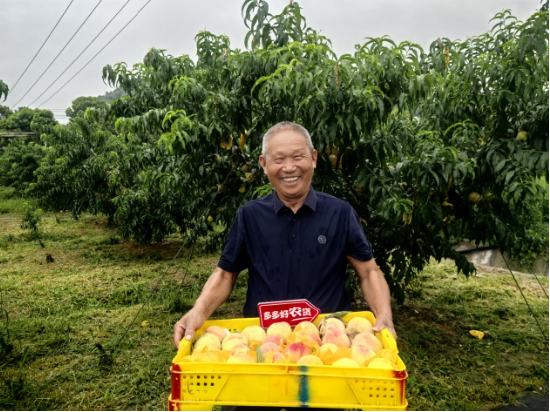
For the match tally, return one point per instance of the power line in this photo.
(58, 54)
(77, 57)
(68, 81)
(25, 71)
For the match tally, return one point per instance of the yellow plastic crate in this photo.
(202, 385)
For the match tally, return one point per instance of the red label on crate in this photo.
(291, 311)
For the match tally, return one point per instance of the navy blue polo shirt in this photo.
(295, 256)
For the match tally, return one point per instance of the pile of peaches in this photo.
(333, 343)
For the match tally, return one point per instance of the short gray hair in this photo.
(282, 127)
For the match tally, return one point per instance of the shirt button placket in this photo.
(295, 233)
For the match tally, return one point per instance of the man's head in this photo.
(288, 159)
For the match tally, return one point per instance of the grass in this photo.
(60, 315)
(11, 203)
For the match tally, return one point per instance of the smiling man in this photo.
(295, 243)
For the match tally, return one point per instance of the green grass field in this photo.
(57, 315)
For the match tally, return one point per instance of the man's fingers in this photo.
(379, 327)
(178, 334)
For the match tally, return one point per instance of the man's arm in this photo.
(216, 290)
(376, 292)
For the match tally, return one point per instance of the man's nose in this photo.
(289, 163)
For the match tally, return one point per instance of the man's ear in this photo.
(314, 158)
(263, 163)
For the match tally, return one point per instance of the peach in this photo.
(269, 347)
(358, 325)
(232, 340)
(295, 351)
(307, 326)
(282, 329)
(362, 354)
(323, 350)
(241, 348)
(346, 362)
(310, 360)
(275, 357)
(337, 337)
(254, 333)
(380, 363)
(369, 340)
(207, 340)
(331, 323)
(306, 337)
(276, 339)
(241, 358)
(252, 344)
(219, 332)
(312, 334)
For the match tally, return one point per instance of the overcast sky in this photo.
(173, 24)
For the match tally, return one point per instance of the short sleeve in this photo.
(234, 256)
(357, 245)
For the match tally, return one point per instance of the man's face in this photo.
(289, 164)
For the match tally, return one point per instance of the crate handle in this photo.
(387, 339)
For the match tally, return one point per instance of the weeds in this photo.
(31, 220)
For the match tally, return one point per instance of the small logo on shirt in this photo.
(322, 239)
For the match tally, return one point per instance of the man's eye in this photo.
(297, 157)
(279, 159)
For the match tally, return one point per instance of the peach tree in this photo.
(429, 146)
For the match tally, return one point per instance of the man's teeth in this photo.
(290, 179)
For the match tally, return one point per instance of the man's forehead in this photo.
(287, 149)
(287, 141)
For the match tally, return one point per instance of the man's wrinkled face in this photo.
(289, 164)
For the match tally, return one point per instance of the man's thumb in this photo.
(189, 332)
(378, 327)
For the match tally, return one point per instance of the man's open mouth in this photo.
(290, 180)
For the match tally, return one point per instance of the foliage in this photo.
(80, 104)
(4, 90)
(24, 119)
(21, 157)
(110, 96)
(5, 112)
(31, 219)
(537, 214)
(74, 173)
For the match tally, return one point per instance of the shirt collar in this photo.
(311, 201)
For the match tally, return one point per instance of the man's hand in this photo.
(187, 325)
(384, 321)
(376, 292)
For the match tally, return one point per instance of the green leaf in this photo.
(259, 354)
(500, 165)
(341, 314)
